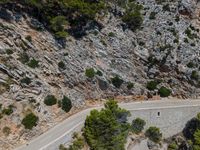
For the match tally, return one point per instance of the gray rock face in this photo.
(165, 49)
(188, 7)
(5, 14)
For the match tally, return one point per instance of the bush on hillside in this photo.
(66, 104)
(117, 81)
(138, 125)
(154, 134)
(30, 120)
(50, 100)
(90, 72)
(108, 128)
(133, 17)
(152, 85)
(164, 92)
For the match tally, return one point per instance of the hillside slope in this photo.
(33, 64)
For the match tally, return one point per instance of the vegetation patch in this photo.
(26, 80)
(33, 63)
(8, 111)
(108, 128)
(154, 134)
(152, 85)
(133, 17)
(164, 92)
(90, 72)
(6, 131)
(9, 51)
(66, 104)
(195, 75)
(30, 120)
(61, 65)
(24, 58)
(117, 81)
(138, 125)
(50, 100)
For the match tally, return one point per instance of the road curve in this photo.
(69, 125)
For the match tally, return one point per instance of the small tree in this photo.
(130, 85)
(117, 81)
(107, 129)
(164, 92)
(66, 104)
(62, 147)
(138, 125)
(61, 65)
(30, 121)
(26, 81)
(58, 24)
(33, 63)
(173, 146)
(133, 17)
(194, 75)
(153, 133)
(90, 72)
(50, 100)
(152, 85)
(78, 144)
(8, 111)
(6, 131)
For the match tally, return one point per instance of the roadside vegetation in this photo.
(109, 129)
(30, 120)
(190, 134)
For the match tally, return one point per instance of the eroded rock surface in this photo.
(166, 48)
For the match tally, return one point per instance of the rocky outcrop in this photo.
(165, 49)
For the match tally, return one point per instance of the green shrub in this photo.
(36, 3)
(50, 100)
(28, 38)
(24, 58)
(62, 147)
(173, 146)
(164, 92)
(191, 65)
(111, 34)
(90, 72)
(133, 17)
(153, 133)
(8, 111)
(99, 73)
(6, 131)
(117, 81)
(26, 80)
(107, 129)
(138, 125)
(61, 65)
(152, 85)
(152, 15)
(166, 7)
(78, 144)
(66, 104)
(9, 51)
(189, 34)
(58, 24)
(195, 75)
(30, 120)
(61, 34)
(130, 85)
(33, 63)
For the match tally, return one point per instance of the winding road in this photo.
(63, 131)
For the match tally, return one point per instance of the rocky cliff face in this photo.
(33, 64)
